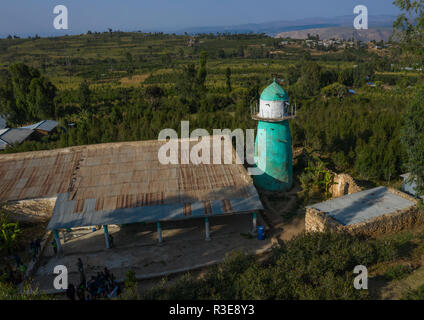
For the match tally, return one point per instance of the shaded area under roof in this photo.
(364, 205)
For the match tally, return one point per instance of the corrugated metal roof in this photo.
(125, 182)
(364, 205)
(2, 122)
(45, 125)
(15, 135)
(3, 144)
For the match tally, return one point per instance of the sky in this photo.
(30, 17)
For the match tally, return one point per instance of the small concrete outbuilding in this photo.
(373, 211)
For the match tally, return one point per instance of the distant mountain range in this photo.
(378, 22)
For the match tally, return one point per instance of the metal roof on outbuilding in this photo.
(3, 144)
(15, 135)
(360, 206)
(45, 125)
(2, 123)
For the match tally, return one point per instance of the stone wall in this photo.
(344, 184)
(34, 210)
(317, 221)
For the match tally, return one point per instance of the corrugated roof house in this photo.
(44, 126)
(14, 135)
(2, 123)
(121, 183)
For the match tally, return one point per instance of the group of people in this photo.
(17, 274)
(13, 275)
(101, 286)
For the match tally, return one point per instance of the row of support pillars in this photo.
(159, 230)
(207, 228)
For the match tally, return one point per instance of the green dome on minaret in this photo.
(274, 92)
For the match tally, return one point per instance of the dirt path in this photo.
(283, 214)
(396, 289)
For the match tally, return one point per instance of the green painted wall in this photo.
(277, 161)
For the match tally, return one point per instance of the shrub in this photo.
(417, 294)
(311, 266)
(397, 272)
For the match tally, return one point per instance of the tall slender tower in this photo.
(276, 159)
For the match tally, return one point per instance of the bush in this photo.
(131, 287)
(417, 294)
(397, 272)
(311, 266)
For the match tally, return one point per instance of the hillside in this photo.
(376, 34)
(273, 28)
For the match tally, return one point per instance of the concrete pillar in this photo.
(207, 229)
(254, 230)
(160, 240)
(105, 229)
(57, 239)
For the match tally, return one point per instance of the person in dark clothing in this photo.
(17, 260)
(70, 292)
(81, 293)
(82, 278)
(38, 246)
(111, 241)
(80, 265)
(54, 245)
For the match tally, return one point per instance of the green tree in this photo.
(410, 27)
(335, 90)
(25, 95)
(84, 94)
(228, 79)
(9, 232)
(412, 136)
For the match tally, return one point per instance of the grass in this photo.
(397, 272)
(417, 294)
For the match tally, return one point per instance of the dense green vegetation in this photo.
(312, 266)
(116, 86)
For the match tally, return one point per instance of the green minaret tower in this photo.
(273, 144)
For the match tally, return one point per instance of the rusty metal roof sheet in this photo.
(125, 182)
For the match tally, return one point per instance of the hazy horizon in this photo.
(26, 18)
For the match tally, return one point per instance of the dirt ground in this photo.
(136, 248)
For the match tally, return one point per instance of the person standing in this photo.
(17, 260)
(38, 246)
(80, 265)
(70, 292)
(81, 292)
(54, 245)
